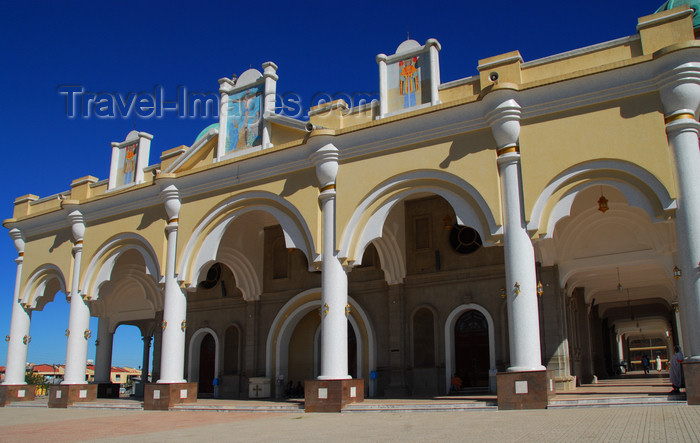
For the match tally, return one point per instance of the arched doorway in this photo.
(471, 338)
(207, 358)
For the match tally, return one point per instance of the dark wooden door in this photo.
(207, 356)
(472, 349)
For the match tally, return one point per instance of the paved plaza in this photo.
(614, 424)
(634, 409)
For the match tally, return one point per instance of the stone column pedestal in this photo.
(62, 396)
(332, 395)
(524, 390)
(13, 393)
(107, 390)
(163, 396)
(691, 371)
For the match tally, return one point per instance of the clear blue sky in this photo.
(134, 46)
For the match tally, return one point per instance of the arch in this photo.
(102, 264)
(35, 295)
(232, 364)
(449, 339)
(435, 340)
(203, 245)
(293, 311)
(641, 189)
(367, 222)
(195, 344)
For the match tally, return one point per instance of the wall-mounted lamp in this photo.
(540, 289)
(447, 222)
(503, 293)
(516, 288)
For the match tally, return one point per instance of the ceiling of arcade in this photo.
(130, 294)
(620, 257)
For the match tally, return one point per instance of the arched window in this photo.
(423, 339)
(231, 352)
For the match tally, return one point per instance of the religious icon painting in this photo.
(128, 157)
(409, 82)
(244, 119)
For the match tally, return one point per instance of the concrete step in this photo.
(131, 405)
(421, 407)
(239, 408)
(671, 400)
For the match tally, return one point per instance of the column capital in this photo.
(679, 88)
(171, 198)
(325, 159)
(18, 238)
(77, 223)
(504, 119)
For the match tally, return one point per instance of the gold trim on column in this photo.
(173, 220)
(508, 150)
(328, 188)
(673, 118)
(21, 254)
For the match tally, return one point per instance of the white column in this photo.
(172, 359)
(383, 88)
(680, 94)
(434, 71)
(146, 358)
(225, 86)
(19, 324)
(620, 348)
(334, 281)
(78, 331)
(521, 284)
(679, 327)
(103, 352)
(270, 75)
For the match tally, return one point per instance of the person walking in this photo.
(675, 372)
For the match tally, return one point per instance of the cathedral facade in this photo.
(536, 216)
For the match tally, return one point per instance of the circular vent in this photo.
(213, 276)
(464, 239)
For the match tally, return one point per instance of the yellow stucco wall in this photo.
(630, 130)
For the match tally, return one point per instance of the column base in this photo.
(13, 393)
(691, 372)
(107, 390)
(62, 396)
(163, 396)
(332, 395)
(524, 390)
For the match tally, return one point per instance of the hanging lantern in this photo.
(540, 289)
(503, 293)
(676, 272)
(602, 202)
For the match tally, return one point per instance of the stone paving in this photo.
(634, 424)
(660, 418)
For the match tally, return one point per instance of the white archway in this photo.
(293, 311)
(102, 264)
(194, 353)
(41, 280)
(450, 345)
(202, 248)
(641, 189)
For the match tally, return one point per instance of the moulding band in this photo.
(673, 118)
(328, 188)
(173, 220)
(508, 150)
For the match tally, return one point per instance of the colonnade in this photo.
(680, 93)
